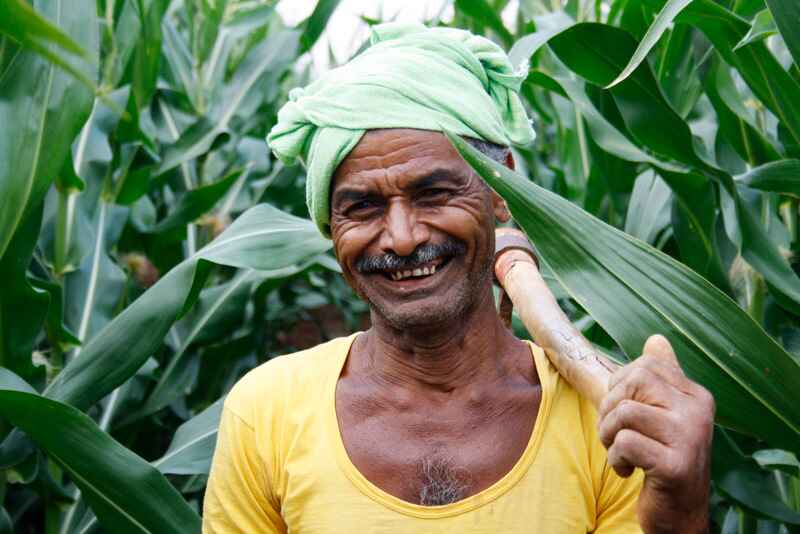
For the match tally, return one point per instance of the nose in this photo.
(402, 234)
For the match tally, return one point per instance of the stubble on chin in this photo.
(455, 305)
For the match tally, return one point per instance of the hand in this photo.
(655, 418)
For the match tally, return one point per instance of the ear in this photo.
(501, 212)
(510, 163)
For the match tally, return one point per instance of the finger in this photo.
(632, 449)
(651, 421)
(662, 366)
(639, 383)
(658, 346)
(664, 371)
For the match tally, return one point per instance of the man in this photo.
(437, 419)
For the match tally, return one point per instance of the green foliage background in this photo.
(152, 251)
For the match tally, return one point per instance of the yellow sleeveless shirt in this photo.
(280, 465)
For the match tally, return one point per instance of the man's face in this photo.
(413, 226)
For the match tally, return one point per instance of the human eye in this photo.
(434, 194)
(363, 207)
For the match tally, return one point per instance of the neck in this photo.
(441, 357)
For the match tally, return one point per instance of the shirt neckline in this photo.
(485, 496)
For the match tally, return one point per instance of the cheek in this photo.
(465, 218)
(350, 241)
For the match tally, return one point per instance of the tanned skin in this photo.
(438, 375)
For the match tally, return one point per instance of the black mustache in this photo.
(421, 255)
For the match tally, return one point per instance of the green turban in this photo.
(410, 77)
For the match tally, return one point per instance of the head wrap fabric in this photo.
(410, 77)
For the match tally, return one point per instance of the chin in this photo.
(413, 320)
(441, 308)
(423, 313)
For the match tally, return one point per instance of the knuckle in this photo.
(640, 375)
(707, 400)
(625, 439)
(674, 424)
(618, 376)
(704, 406)
(605, 406)
(606, 437)
(674, 467)
(647, 359)
(640, 380)
(626, 410)
(677, 422)
(614, 458)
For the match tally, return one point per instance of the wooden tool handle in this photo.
(583, 366)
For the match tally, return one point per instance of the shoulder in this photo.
(568, 414)
(561, 392)
(271, 384)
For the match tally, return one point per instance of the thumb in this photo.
(658, 346)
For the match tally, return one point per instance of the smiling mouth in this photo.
(422, 271)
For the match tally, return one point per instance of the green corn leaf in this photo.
(245, 20)
(779, 177)
(740, 479)
(127, 32)
(678, 69)
(93, 290)
(633, 291)
(315, 24)
(126, 493)
(786, 14)
(147, 52)
(642, 104)
(577, 48)
(654, 33)
(192, 446)
(29, 28)
(773, 85)
(25, 25)
(605, 134)
(763, 27)
(778, 459)
(695, 226)
(47, 107)
(271, 56)
(547, 26)
(263, 238)
(196, 202)
(736, 123)
(648, 209)
(91, 151)
(179, 59)
(216, 306)
(481, 11)
(57, 332)
(23, 309)
(207, 22)
(13, 382)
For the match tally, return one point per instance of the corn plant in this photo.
(152, 251)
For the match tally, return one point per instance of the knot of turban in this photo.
(410, 77)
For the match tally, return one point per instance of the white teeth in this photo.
(424, 271)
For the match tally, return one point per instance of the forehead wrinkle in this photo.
(387, 156)
(387, 160)
(405, 176)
